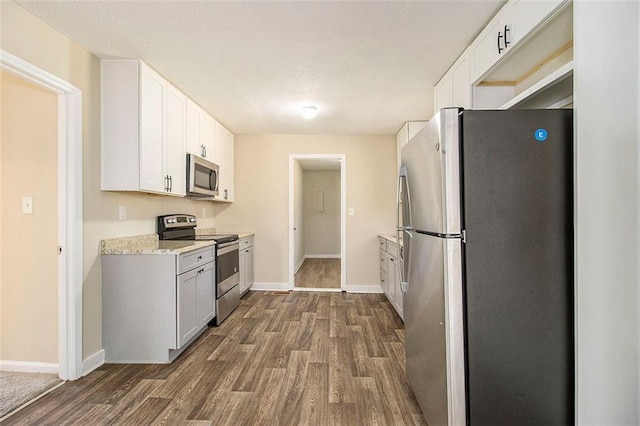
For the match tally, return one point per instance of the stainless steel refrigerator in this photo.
(485, 210)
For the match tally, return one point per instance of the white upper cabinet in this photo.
(153, 95)
(528, 14)
(194, 113)
(140, 150)
(224, 157)
(207, 136)
(493, 41)
(454, 88)
(200, 132)
(461, 81)
(175, 158)
(443, 93)
(524, 57)
(149, 126)
(515, 24)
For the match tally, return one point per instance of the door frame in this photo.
(70, 187)
(343, 213)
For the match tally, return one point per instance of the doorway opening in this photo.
(317, 218)
(68, 223)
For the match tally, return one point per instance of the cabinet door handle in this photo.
(500, 48)
(170, 183)
(506, 42)
(199, 257)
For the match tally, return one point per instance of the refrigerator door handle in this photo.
(404, 200)
(404, 213)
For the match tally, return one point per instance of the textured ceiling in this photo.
(368, 66)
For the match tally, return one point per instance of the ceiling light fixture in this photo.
(309, 111)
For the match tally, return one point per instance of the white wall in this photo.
(607, 93)
(322, 229)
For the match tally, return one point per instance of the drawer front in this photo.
(383, 260)
(383, 243)
(246, 242)
(193, 259)
(383, 282)
(392, 249)
(226, 304)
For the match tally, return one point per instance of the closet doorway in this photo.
(317, 222)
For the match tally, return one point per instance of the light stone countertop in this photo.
(390, 237)
(149, 244)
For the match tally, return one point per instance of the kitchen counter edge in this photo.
(149, 244)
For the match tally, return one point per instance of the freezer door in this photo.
(519, 266)
(434, 327)
(431, 161)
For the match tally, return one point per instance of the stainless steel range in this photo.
(182, 227)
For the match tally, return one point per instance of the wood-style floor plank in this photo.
(318, 273)
(279, 359)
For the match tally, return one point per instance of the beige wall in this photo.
(322, 229)
(25, 36)
(261, 185)
(28, 279)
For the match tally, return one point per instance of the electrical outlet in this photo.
(122, 212)
(204, 212)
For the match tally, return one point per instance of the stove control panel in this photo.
(176, 221)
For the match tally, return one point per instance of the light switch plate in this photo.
(351, 211)
(27, 205)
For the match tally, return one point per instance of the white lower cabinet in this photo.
(390, 274)
(246, 264)
(196, 301)
(154, 305)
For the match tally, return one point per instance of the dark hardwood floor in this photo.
(301, 358)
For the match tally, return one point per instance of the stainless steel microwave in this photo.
(202, 177)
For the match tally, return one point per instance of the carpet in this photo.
(19, 388)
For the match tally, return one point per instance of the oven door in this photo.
(228, 267)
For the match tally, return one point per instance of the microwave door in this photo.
(213, 181)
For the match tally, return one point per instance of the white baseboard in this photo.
(92, 362)
(329, 290)
(295, 271)
(29, 367)
(322, 256)
(364, 289)
(271, 286)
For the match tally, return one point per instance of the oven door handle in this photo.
(227, 248)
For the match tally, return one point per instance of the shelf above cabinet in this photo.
(552, 38)
(555, 87)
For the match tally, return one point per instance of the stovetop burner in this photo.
(182, 227)
(219, 238)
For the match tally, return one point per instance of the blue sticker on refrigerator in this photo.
(541, 135)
